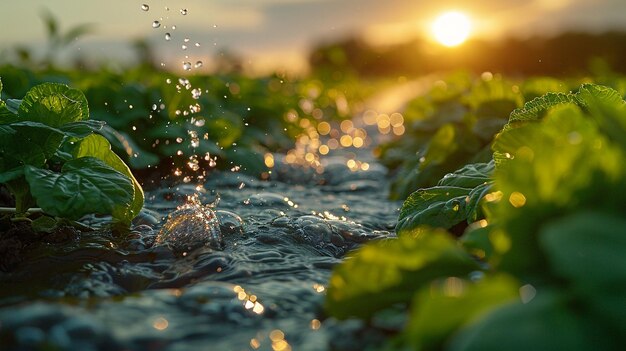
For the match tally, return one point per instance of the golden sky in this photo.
(280, 32)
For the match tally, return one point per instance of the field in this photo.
(456, 209)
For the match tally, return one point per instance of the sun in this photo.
(451, 28)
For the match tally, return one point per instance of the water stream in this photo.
(263, 290)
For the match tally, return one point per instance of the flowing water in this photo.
(260, 286)
(264, 290)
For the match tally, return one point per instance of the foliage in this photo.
(547, 271)
(159, 119)
(49, 157)
(451, 126)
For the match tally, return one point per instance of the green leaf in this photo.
(592, 93)
(469, 176)
(446, 305)
(383, 273)
(137, 157)
(476, 240)
(474, 209)
(54, 104)
(79, 129)
(12, 174)
(98, 146)
(440, 206)
(7, 113)
(561, 164)
(534, 109)
(13, 105)
(6, 129)
(587, 248)
(85, 185)
(544, 323)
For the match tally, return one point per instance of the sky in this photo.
(275, 34)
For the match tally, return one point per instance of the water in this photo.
(264, 290)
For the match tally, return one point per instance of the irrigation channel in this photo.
(263, 290)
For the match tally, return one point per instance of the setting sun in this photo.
(451, 28)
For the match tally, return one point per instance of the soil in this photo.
(17, 237)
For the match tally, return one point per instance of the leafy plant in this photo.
(50, 158)
(543, 266)
(451, 126)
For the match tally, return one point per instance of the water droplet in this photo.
(156, 24)
(186, 40)
(186, 66)
(183, 12)
(195, 93)
(173, 27)
(184, 47)
(198, 64)
(145, 7)
(168, 81)
(168, 36)
(154, 107)
(197, 45)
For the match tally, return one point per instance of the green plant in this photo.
(51, 158)
(541, 267)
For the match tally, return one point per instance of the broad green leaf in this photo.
(607, 108)
(54, 104)
(7, 114)
(383, 273)
(85, 185)
(47, 107)
(469, 176)
(442, 144)
(98, 146)
(476, 240)
(5, 129)
(592, 93)
(137, 157)
(440, 206)
(474, 207)
(13, 105)
(535, 109)
(79, 129)
(560, 164)
(444, 306)
(11, 174)
(587, 249)
(545, 323)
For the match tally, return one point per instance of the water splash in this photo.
(192, 226)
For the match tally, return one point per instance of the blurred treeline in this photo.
(565, 54)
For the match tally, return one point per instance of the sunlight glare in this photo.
(451, 28)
